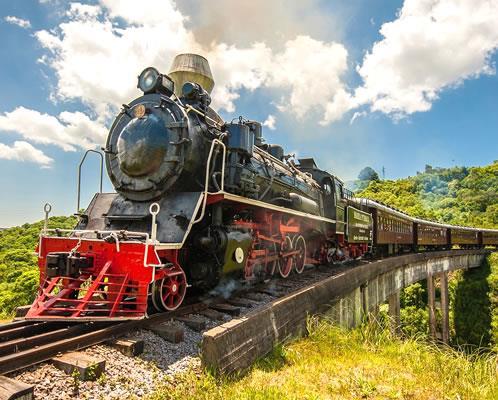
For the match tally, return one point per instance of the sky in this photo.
(393, 84)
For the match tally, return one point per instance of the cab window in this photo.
(327, 188)
(339, 195)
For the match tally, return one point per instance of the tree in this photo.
(368, 174)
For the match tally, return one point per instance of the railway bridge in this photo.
(346, 297)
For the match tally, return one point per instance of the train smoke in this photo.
(225, 288)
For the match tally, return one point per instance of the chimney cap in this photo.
(191, 67)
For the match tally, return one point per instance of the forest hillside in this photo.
(458, 195)
(18, 272)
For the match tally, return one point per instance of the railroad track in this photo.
(25, 343)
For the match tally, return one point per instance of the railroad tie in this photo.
(85, 366)
(238, 302)
(226, 308)
(212, 314)
(194, 323)
(173, 333)
(128, 347)
(11, 389)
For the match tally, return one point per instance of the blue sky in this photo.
(394, 84)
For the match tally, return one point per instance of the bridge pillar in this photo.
(394, 312)
(445, 309)
(431, 294)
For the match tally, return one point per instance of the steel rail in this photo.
(22, 352)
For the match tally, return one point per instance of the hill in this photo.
(18, 271)
(458, 195)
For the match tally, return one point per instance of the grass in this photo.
(365, 363)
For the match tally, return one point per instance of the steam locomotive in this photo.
(199, 200)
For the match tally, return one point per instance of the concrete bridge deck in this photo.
(346, 297)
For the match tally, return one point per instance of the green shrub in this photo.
(18, 268)
(471, 307)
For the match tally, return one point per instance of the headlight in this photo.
(147, 81)
(150, 81)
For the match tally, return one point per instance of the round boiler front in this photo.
(147, 147)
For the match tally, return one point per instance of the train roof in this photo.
(307, 163)
(380, 206)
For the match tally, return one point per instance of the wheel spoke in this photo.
(286, 263)
(300, 259)
(172, 291)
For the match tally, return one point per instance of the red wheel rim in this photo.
(173, 290)
(271, 265)
(300, 259)
(285, 264)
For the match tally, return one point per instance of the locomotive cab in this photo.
(334, 202)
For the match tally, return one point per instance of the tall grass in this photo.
(368, 362)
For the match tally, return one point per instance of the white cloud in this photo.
(341, 103)
(431, 46)
(273, 22)
(98, 51)
(23, 151)
(83, 11)
(150, 12)
(97, 62)
(356, 115)
(68, 131)
(232, 71)
(23, 23)
(312, 70)
(270, 122)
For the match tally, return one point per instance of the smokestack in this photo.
(191, 68)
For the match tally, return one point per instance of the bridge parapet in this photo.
(345, 297)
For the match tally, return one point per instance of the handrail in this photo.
(214, 143)
(79, 174)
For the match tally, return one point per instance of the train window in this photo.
(327, 188)
(338, 191)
